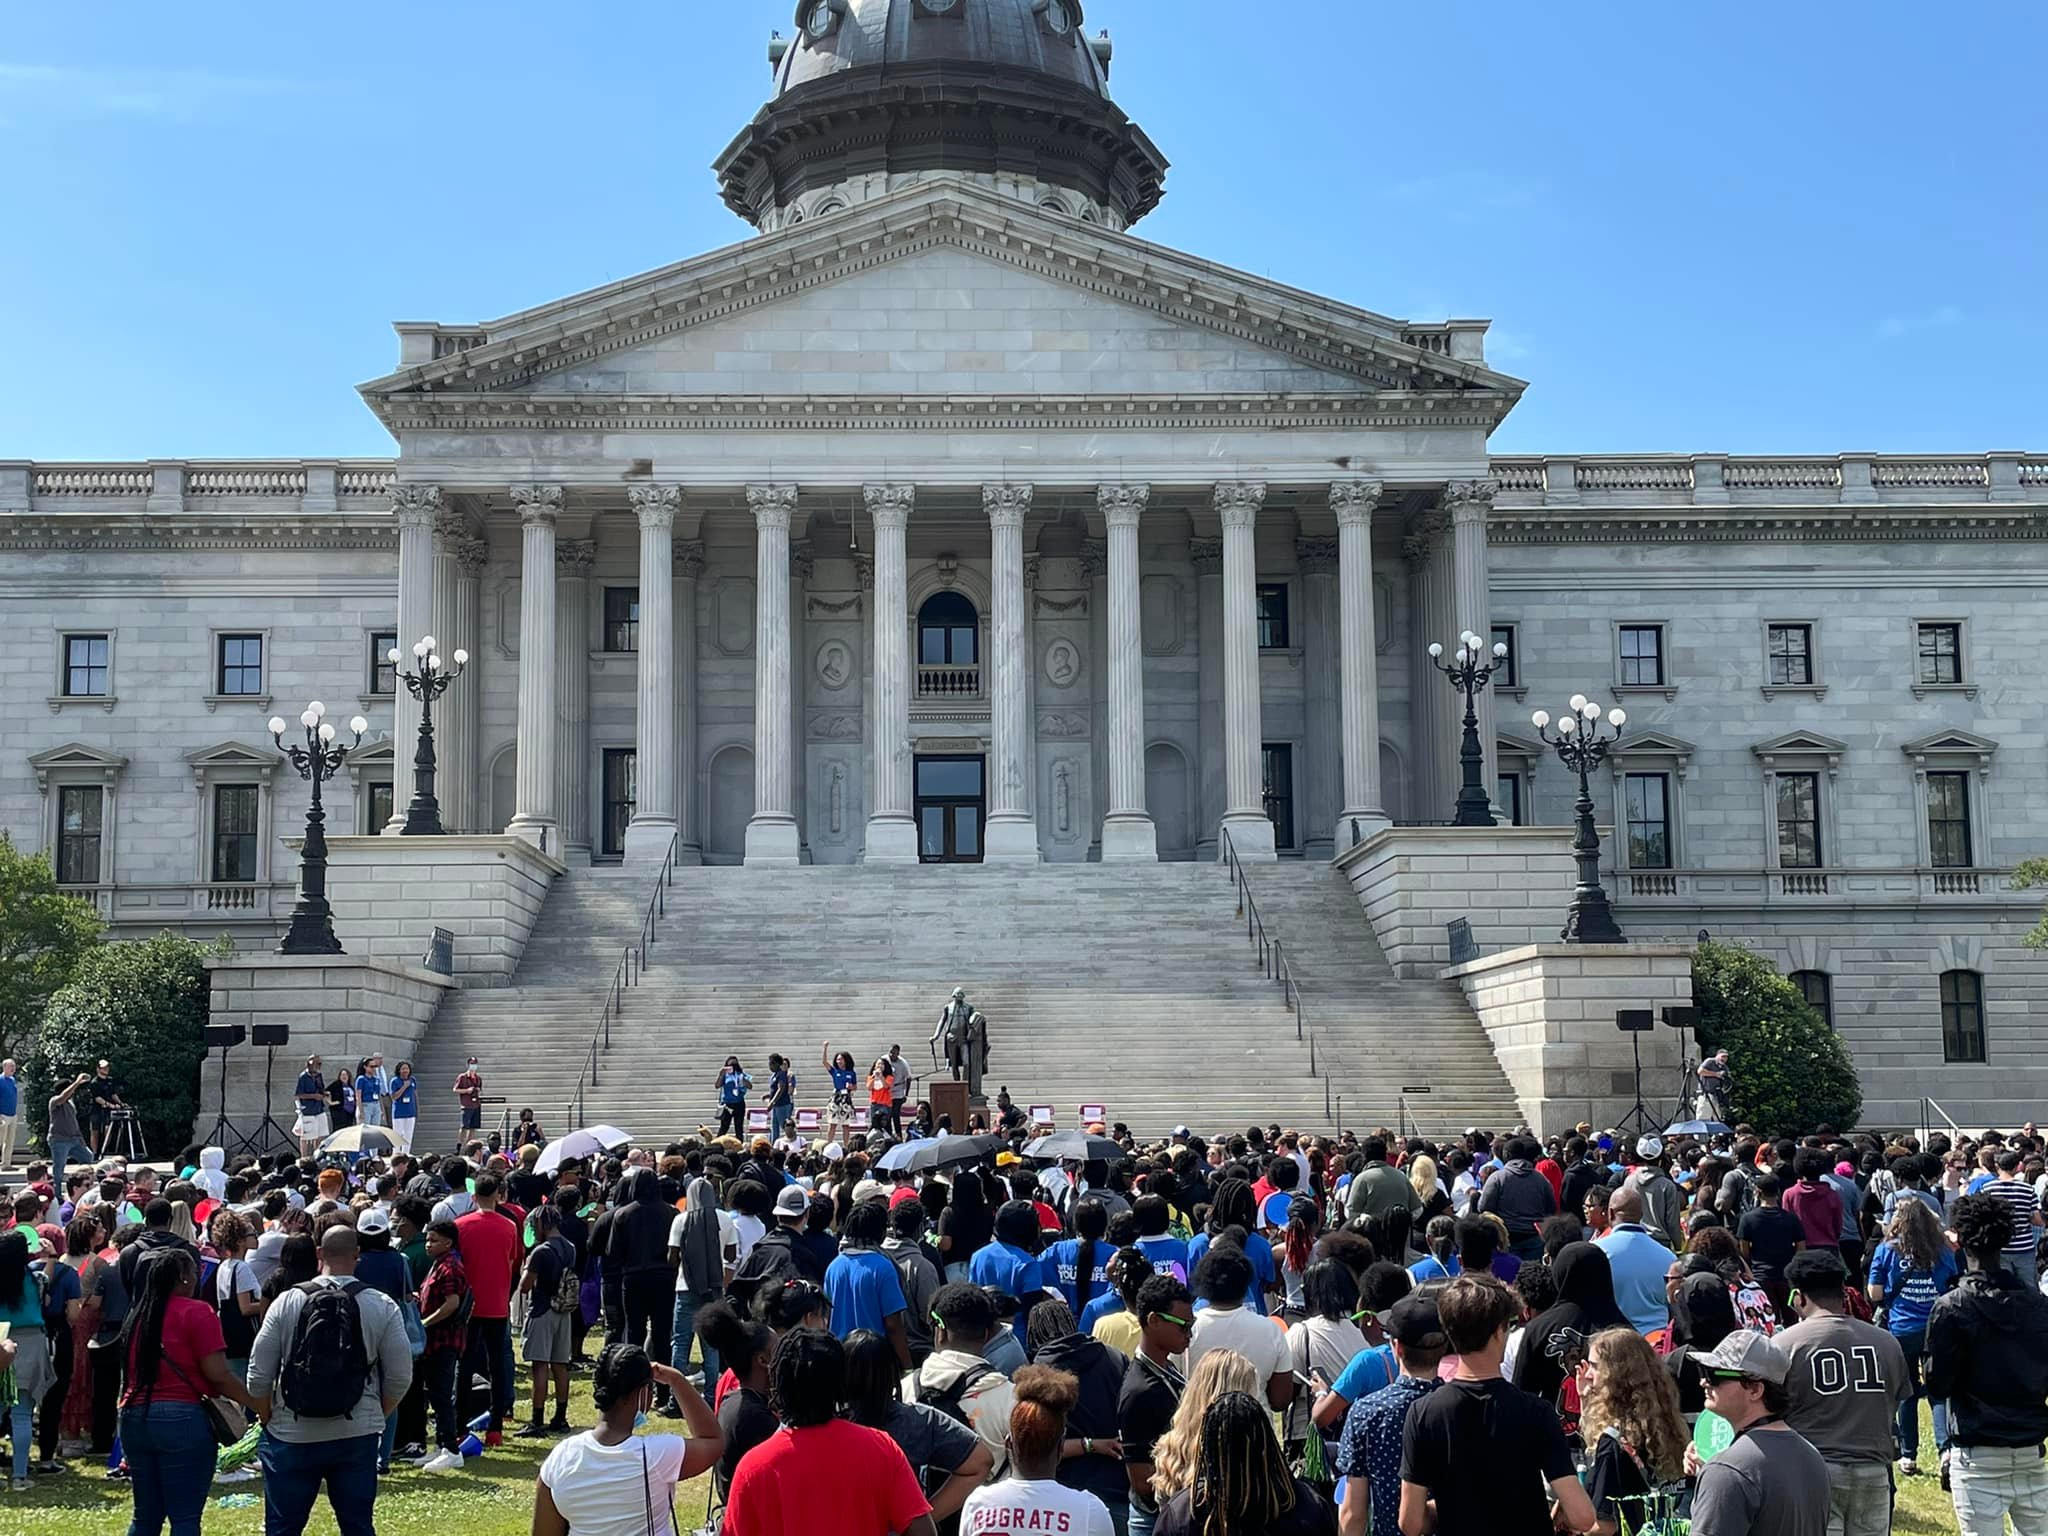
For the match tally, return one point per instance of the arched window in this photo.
(1818, 988)
(1962, 1016)
(947, 628)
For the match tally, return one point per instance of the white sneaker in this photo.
(447, 1461)
(1908, 1467)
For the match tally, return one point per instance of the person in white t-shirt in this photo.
(705, 1249)
(608, 1481)
(1222, 1321)
(1031, 1498)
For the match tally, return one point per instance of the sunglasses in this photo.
(1729, 1376)
(1185, 1324)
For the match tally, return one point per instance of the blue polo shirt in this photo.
(10, 1097)
(864, 1290)
(405, 1098)
(1639, 1264)
(999, 1267)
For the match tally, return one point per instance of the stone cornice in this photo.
(522, 348)
(1693, 525)
(110, 532)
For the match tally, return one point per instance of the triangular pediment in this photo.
(941, 290)
(1797, 743)
(1508, 744)
(233, 755)
(1961, 742)
(76, 755)
(1642, 743)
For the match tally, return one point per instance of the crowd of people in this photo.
(1249, 1333)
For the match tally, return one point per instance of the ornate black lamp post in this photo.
(1469, 671)
(1582, 748)
(320, 759)
(423, 814)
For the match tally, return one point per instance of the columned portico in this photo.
(1244, 816)
(653, 827)
(1010, 833)
(891, 829)
(771, 833)
(1358, 686)
(533, 813)
(1127, 831)
(415, 508)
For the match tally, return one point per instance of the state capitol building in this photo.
(945, 518)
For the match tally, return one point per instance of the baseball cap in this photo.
(1746, 1353)
(1007, 1159)
(1180, 1130)
(869, 1189)
(373, 1221)
(792, 1202)
(1650, 1146)
(1413, 1321)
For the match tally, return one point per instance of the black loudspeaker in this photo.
(1634, 1020)
(220, 1037)
(270, 1034)
(1681, 1018)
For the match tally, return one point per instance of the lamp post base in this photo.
(422, 818)
(311, 932)
(1590, 920)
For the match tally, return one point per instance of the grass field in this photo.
(493, 1496)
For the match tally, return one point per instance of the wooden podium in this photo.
(949, 1099)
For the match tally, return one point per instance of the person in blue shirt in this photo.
(781, 1096)
(1637, 1261)
(1079, 1266)
(1383, 1283)
(10, 1111)
(734, 1084)
(1440, 1257)
(1231, 1205)
(371, 1091)
(1007, 1264)
(405, 1106)
(310, 1093)
(862, 1283)
(1128, 1270)
(1169, 1254)
(1912, 1267)
(844, 1075)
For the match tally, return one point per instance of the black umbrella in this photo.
(938, 1152)
(1074, 1146)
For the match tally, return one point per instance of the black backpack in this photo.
(326, 1369)
(238, 1331)
(952, 1400)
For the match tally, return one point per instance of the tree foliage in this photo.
(143, 1007)
(2031, 875)
(43, 933)
(1791, 1072)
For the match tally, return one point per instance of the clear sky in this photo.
(1733, 227)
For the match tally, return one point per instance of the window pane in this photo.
(1642, 655)
(383, 675)
(1799, 820)
(1649, 822)
(1507, 796)
(967, 831)
(621, 792)
(78, 835)
(1948, 820)
(950, 778)
(1818, 990)
(1272, 612)
(1941, 653)
(85, 666)
(961, 646)
(622, 618)
(1507, 676)
(931, 647)
(1962, 1016)
(1791, 654)
(241, 664)
(931, 831)
(1278, 774)
(380, 807)
(234, 832)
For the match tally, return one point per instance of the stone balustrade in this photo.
(1656, 481)
(949, 682)
(282, 487)
(1905, 885)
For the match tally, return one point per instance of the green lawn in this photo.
(494, 1497)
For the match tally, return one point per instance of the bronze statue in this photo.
(964, 1032)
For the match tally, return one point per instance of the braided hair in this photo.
(808, 1378)
(1242, 1486)
(163, 1275)
(1050, 1320)
(622, 1373)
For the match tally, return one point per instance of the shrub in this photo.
(143, 1006)
(43, 932)
(1790, 1072)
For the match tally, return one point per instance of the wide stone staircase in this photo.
(1130, 986)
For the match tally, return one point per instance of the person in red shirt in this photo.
(489, 1241)
(1553, 1170)
(1814, 1202)
(820, 1472)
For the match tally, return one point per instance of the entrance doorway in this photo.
(951, 802)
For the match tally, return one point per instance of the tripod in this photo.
(223, 1134)
(258, 1140)
(1639, 1114)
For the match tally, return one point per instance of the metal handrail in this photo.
(631, 969)
(1273, 961)
(1927, 1122)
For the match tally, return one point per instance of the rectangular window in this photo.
(1948, 820)
(85, 666)
(1941, 653)
(1507, 797)
(1507, 673)
(1799, 821)
(1278, 765)
(383, 670)
(1791, 654)
(1272, 615)
(234, 831)
(1649, 820)
(79, 808)
(1819, 991)
(1962, 1016)
(241, 665)
(380, 807)
(1642, 655)
(622, 618)
(621, 784)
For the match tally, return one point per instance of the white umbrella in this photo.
(592, 1141)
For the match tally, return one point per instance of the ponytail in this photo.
(1091, 1221)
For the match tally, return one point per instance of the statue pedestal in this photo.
(949, 1098)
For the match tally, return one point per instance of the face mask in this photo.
(640, 1421)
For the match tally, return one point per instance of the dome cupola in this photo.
(872, 95)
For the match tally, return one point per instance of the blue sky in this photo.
(1743, 228)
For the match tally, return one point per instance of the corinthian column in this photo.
(1471, 501)
(1206, 555)
(415, 507)
(451, 529)
(1244, 814)
(464, 805)
(1011, 833)
(1358, 642)
(771, 834)
(1127, 831)
(653, 827)
(1316, 558)
(688, 566)
(573, 560)
(891, 831)
(533, 799)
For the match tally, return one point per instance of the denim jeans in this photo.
(293, 1473)
(1141, 1521)
(20, 1417)
(1989, 1482)
(63, 1152)
(170, 1455)
(778, 1119)
(1859, 1498)
(2021, 1266)
(1907, 1431)
(683, 1333)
